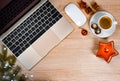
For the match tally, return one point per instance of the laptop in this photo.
(36, 32)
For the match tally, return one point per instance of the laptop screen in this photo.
(12, 10)
(3, 3)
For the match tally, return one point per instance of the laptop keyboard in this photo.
(32, 28)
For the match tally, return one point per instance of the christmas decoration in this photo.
(106, 51)
(8, 70)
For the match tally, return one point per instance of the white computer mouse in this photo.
(75, 14)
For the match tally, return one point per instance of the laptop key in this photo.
(8, 38)
(31, 36)
(13, 40)
(16, 49)
(34, 33)
(23, 48)
(48, 4)
(28, 38)
(16, 37)
(9, 44)
(21, 44)
(19, 34)
(45, 12)
(27, 45)
(15, 33)
(50, 24)
(53, 11)
(11, 35)
(29, 31)
(5, 41)
(17, 43)
(37, 30)
(19, 52)
(24, 41)
(53, 21)
(54, 16)
(44, 8)
(23, 37)
(20, 40)
(47, 27)
(12, 47)
(26, 34)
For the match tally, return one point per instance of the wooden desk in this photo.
(74, 58)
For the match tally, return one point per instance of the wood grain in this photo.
(74, 59)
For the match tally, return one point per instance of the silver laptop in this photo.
(36, 33)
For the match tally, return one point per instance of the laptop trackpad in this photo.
(45, 43)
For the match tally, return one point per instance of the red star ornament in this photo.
(106, 51)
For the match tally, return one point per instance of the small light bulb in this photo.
(32, 76)
(4, 48)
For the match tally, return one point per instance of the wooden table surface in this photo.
(74, 59)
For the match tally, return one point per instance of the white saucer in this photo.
(104, 33)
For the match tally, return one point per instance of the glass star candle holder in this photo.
(106, 51)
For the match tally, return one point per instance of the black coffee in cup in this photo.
(105, 22)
